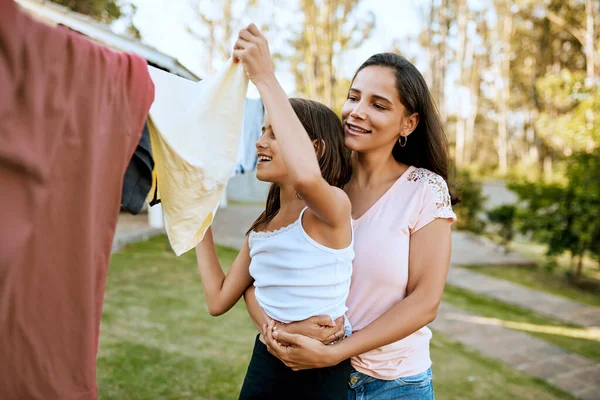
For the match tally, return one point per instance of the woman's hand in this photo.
(320, 328)
(252, 49)
(302, 352)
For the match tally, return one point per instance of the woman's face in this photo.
(373, 116)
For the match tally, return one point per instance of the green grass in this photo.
(537, 253)
(463, 374)
(572, 338)
(585, 289)
(159, 342)
(545, 281)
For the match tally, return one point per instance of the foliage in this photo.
(517, 82)
(567, 121)
(215, 25)
(469, 210)
(105, 11)
(504, 216)
(566, 217)
(328, 30)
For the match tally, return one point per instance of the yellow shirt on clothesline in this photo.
(195, 130)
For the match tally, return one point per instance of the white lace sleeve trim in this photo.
(440, 190)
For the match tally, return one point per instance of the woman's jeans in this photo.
(416, 387)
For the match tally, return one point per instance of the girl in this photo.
(402, 214)
(299, 251)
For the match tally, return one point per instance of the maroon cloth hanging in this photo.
(71, 115)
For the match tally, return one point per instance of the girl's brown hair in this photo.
(324, 126)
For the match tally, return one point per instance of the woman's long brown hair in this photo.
(427, 146)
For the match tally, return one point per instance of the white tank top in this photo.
(296, 277)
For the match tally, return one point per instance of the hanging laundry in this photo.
(71, 116)
(195, 131)
(138, 176)
(254, 115)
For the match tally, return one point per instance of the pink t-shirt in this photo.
(380, 269)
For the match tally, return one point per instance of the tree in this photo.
(329, 29)
(584, 184)
(464, 56)
(590, 51)
(471, 61)
(105, 11)
(217, 35)
(505, 16)
(215, 24)
(479, 64)
(565, 217)
(567, 118)
(436, 16)
(550, 60)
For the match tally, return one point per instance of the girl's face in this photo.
(270, 167)
(373, 115)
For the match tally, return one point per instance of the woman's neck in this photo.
(373, 168)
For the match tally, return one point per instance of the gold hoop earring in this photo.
(405, 141)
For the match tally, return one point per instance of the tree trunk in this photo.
(312, 59)
(325, 51)
(463, 56)
(473, 109)
(324, 36)
(589, 44)
(443, 61)
(431, 53)
(504, 92)
(547, 168)
(579, 271)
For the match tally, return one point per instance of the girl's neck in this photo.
(289, 202)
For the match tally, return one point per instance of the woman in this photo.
(402, 214)
(299, 251)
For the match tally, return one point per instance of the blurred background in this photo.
(517, 84)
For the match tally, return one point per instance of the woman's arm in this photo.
(328, 203)
(427, 276)
(222, 291)
(320, 327)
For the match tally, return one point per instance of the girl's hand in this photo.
(302, 352)
(252, 50)
(321, 328)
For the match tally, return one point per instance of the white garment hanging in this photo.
(195, 130)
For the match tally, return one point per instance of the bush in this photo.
(504, 216)
(470, 209)
(566, 217)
